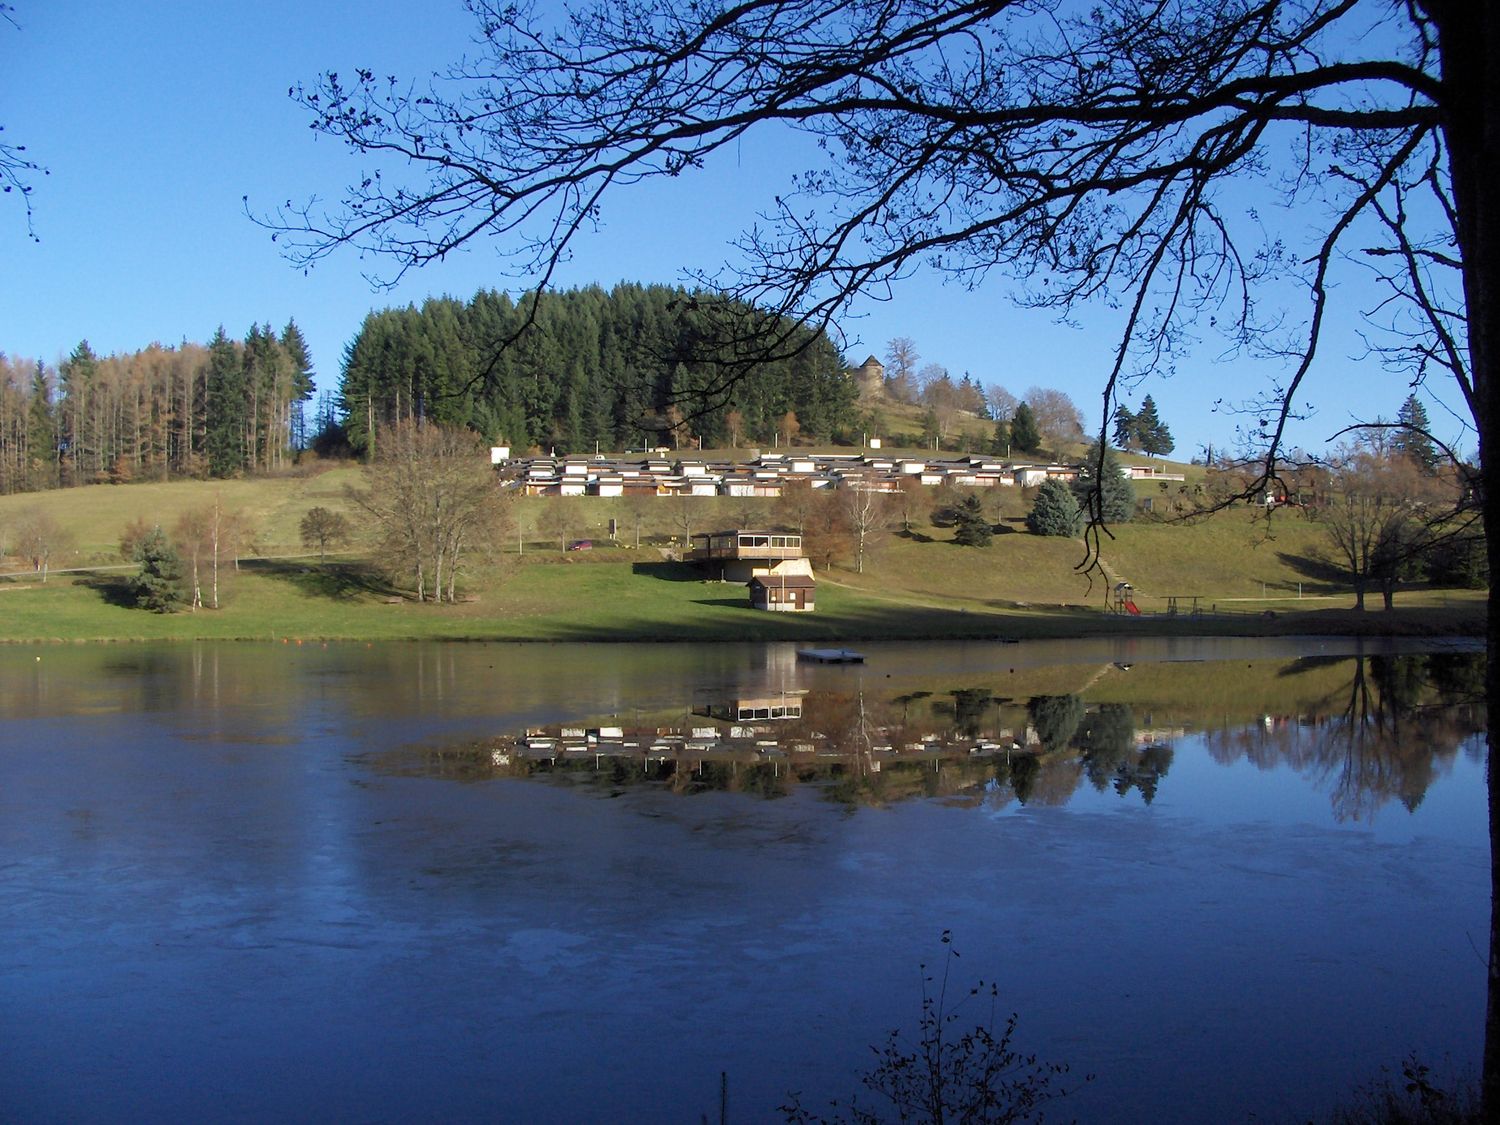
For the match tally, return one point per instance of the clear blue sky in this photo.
(156, 118)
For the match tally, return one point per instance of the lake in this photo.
(1228, 879)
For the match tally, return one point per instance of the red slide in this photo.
(1131, 609)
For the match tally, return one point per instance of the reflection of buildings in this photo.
(786, 705)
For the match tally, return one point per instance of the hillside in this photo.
(922, 586)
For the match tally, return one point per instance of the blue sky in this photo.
(156, 118)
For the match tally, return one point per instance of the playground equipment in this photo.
(1124, 599)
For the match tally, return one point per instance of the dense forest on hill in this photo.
(161, 412)
(624, 368)
(630, 367)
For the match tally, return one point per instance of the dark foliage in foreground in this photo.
(973, 1078)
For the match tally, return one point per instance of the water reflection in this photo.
(1394, 724)
(1368, 729)
(231, 858)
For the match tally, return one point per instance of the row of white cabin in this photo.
(765, 476)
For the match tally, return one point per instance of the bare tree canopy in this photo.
(1177, 160)
(15, 166)
(434, 501)
(1088, 151)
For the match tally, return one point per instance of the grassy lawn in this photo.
(97, 514)
(612, 600)
(912, 588)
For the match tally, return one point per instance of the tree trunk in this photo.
(1469, 41)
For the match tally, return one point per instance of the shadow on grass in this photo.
(741, 602)
(337, 581)
(113, 589)
(1333, 577)
(667, 571)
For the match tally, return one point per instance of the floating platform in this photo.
(830, 655)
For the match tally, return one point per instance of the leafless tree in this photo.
(1001, 402)
(794, 507)
(687, 510)
(912, 501)
(205, 536)
(434, 498)
(869, 514)
(1057, 418)
(637, 510)
(901, 369)
(559, 521)
(320, 527)
(38, 538)
(190, 535)
(827, 538)
(1166, 156)
(1382, 514)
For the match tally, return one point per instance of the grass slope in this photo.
(924, 587)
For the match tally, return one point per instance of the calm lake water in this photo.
(1231, 880)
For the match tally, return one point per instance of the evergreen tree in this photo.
(1411, 440)
(78, 409)
(224, 428)
(931, 430)
(1000, 443)
(1025, 437)
(1125, 427)
(1055, 511)
(1116, 493)
(1151, 432)
(41, 430)
(157, 586)
(294, 344)
(973, 528)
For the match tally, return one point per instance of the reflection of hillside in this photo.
(1374, 728)
(967, 746)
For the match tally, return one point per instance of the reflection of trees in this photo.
(1386, 734)
(1055, 719)
(969, 709)
(1112, 758)
(1369, 729)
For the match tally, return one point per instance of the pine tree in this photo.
(158, 584)
(1151, 432)
(1000, 444)
(1055, 511)
(295, 346)
(1024, 435)
(1116, 493)
(1125, 430)
(224, 437)
(1411, 440)
(974, 528)
(41, 431)
(76, 408)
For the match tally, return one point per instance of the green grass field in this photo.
(922, 587)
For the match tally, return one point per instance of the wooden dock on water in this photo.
(830, 656)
